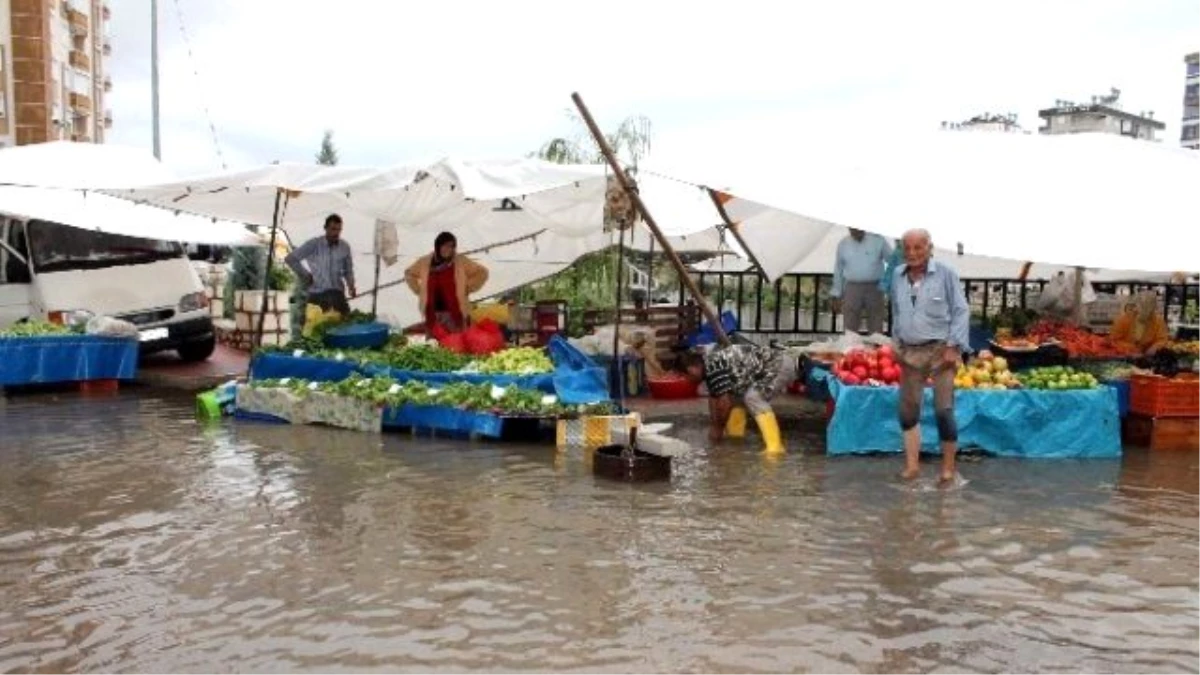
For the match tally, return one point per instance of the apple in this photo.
(852, 380)
(886, 352)
(860, 372)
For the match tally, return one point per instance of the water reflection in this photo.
(132, 539)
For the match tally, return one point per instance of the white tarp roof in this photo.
(47, 181)
(821, 260)
(560, 216)
(1095, 200)
(80, 166)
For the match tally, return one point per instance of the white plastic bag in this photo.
(110, 327)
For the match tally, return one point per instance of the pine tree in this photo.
(328, 154)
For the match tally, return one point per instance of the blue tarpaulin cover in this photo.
(70, 358)
(576, 378)
(1015, 423)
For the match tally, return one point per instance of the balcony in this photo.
(107, 84)
(107, 46)
(78, 22)
(80, 60)
(80, 103)
(108, 119)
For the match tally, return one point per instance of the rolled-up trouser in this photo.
(759, 402)
(917, 363)
(330, 300)
(859, 298)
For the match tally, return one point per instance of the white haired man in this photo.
(930, 324)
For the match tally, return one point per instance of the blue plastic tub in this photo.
(358, 336)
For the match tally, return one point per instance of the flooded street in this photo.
(132, 539)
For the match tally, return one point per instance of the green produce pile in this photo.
(1057, 378)
(1109, 370)
(34, 329)
(428, 358)
(512, 402)
(517, 361)
(424, 359)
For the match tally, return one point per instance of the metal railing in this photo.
(799, 304)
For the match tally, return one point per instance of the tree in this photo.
(328, 154)
(630, 141)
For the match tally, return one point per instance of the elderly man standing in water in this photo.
(930, 328)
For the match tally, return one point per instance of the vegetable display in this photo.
(517, 361)
(871, 368)
(34, 329)
(507, 401)
(1058, 378)
(429, 358)
(986, 372)
(1077, 341)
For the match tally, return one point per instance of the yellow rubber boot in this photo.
(769, 427)
(735, 427)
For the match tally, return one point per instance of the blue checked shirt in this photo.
(329, 265)
(935, 309)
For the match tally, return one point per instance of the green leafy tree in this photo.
(328, 154)
(630, 141)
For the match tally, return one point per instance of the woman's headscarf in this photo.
(1146, 306)
(442, 239)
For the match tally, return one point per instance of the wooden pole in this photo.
(1078, 295)
(262, 317)
(672, 256)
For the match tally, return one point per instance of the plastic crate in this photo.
(632, 369)
(1154, 396)
(594, 431)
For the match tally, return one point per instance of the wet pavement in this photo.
(132, 539)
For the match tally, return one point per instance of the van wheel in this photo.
(194, 352)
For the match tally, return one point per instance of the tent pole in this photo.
(616, 345)
(375, 288)
(623, 179)
(262, 317)
(733, 229)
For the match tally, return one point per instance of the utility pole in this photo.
(154, 78)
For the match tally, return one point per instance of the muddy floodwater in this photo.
(132, 539)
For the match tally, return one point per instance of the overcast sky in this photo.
(408, 81)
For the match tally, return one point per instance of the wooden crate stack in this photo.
(1164, 414)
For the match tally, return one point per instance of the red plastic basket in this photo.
(672, 388)
(1155, 396)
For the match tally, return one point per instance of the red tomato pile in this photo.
(865, 367)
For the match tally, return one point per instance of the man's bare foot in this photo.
(910, 473)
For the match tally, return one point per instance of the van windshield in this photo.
(57, 248)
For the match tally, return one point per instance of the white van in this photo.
(49, 270)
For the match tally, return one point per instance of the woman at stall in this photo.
(442, 281)
(1140, 328)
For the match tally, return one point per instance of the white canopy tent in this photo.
(820, 260)
(1093, 200)
(50, 181)
(102, 213)
(524, 219)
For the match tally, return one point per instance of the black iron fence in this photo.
(800, 303)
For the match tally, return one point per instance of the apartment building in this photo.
(1189, 136)
(1103, 115)
(52, 55)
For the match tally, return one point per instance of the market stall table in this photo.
(1012, 423)
(52, 359)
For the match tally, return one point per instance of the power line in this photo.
(187, 42)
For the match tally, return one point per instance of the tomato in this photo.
(860, 372)
(853, 380)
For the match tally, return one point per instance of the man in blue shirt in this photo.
(330, 271)
(857, 270)
(930, 319)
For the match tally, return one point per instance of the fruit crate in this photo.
(1155, 396)
(1170, 433)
